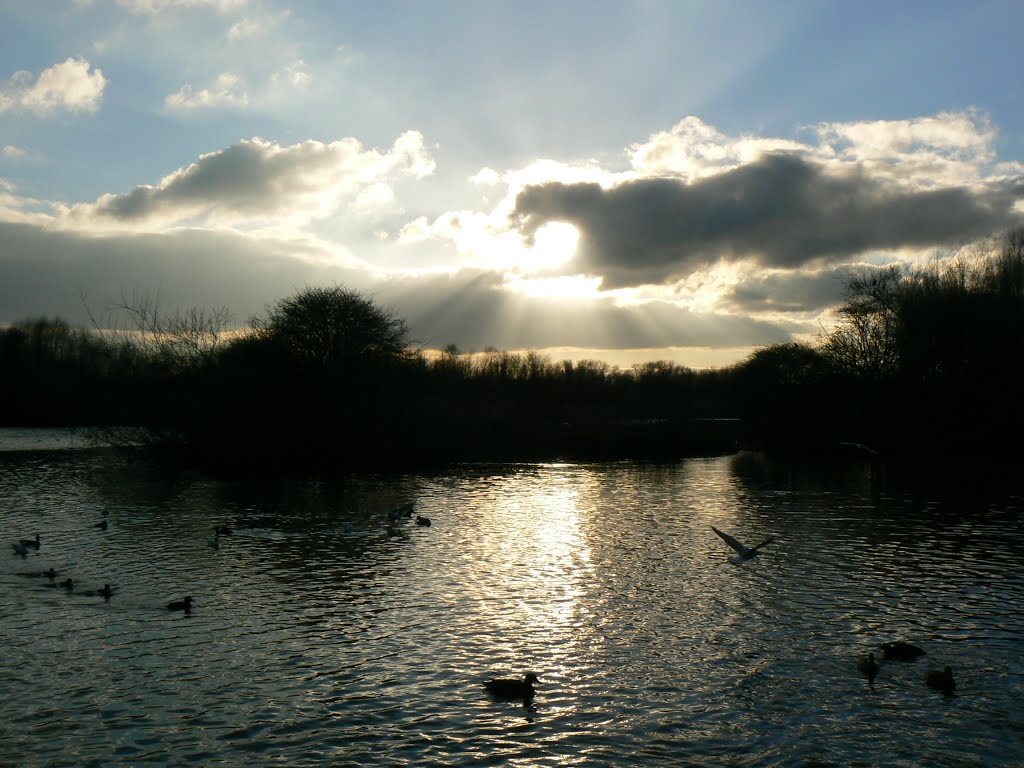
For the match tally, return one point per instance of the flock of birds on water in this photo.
(514, 689)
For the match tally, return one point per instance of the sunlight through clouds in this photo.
(657, 175)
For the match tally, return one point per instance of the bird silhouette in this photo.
(901, 651)
(421, 520)
(508, 688)
(942, 681)
(744, 553)
(184, 604)
(31, 543)
(867, 665)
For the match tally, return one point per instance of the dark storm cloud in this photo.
(791, 291)
(785, 210)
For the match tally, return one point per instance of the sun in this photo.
(554, 244)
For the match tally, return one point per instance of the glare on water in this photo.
(318, 636)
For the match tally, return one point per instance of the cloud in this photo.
(296, 75)
(781, 292)
(703, 198)
(243, 29)
(153, 7)
(12, 151)
(45, 271)
(257, 181)
(473, 310)
(227, 90)
(69, 85)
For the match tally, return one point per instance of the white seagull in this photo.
(743, 553)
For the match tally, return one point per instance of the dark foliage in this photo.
(921, 365)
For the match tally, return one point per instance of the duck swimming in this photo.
(901, 651)
(942, 681)
(744, 553)
(101, 525)
(180, 605)
(33, 543)
(867, 665)
(107, 592)
(513, 689)
(421, 520)
(68, 584)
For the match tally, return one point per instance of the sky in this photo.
(624, 181)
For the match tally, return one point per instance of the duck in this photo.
(513, 689)
(33, 543)
(107, 592)
(867, 665)
(901, 651)
(102, 525)
(421, 520)
(223, 530)
(68, 584)
(184, 604)
(19, 548)
(744, 553)
(942, 681)
(50, 574)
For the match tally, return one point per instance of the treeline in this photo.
(923, 360)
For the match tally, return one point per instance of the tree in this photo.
(327, 325)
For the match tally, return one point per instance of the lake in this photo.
(318, 637)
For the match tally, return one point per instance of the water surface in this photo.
(318, 638)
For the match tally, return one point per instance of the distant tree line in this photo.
(923, 360)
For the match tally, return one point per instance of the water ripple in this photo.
(318, 638)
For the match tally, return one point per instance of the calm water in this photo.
(318, 639)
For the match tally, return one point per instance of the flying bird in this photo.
(743, 553)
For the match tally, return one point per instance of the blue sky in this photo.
(621, 180)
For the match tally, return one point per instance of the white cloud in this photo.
(258, 182)
(372, 197)
(295, 75)
(14, 152)
(153, 7)
(941, 150)
(487, 177)
(243, 29)
(227, 90)
(69, 85)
